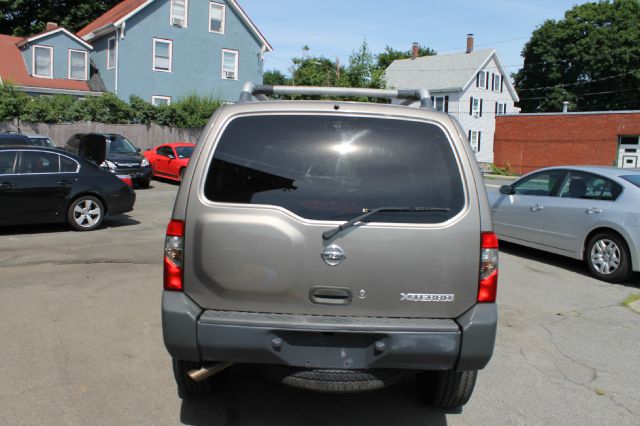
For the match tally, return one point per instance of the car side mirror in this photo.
(507, 190)
(138, 150)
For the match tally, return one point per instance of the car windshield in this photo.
(184, 151)
(331, 168)
(121, 145)
(634, 179)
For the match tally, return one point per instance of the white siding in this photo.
(487, 123)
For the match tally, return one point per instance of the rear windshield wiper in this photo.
(369, 212)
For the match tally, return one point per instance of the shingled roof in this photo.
(440, 73)
(13, 70)
(128, 8)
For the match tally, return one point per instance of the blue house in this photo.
(52, 62)
(164, 50)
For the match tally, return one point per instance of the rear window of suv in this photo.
(331, 168)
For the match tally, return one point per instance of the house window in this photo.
(179, 12)
(501, 108)
(629, 140)
(474, 140)
(229, 64)
(440, 103)
(216, 17)
(480, 79)
(497, 83)
(42, 61)
(475, 107)
(162, 54)
(78, 69)
(161, 100)
(111, 53)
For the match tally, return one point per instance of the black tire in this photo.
(144, 183)
(601, 249)
(446, 389)
(182, 170)
(85, 213)
(333, 381)
(188, 387)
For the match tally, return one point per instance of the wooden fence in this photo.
(142, 135)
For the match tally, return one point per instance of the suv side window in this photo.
(331, 168)
(33, 162)
(540, 184)
(7, 162)
(590, 187)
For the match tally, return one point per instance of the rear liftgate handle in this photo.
(330, 295)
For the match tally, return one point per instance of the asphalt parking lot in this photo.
(81, 342)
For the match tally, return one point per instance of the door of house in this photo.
(629, 151)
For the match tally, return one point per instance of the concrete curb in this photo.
(635, 306)
(487, 175)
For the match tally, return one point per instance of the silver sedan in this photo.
(590, 213)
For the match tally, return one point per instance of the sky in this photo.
(335, 28)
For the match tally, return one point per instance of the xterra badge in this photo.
(426, 297)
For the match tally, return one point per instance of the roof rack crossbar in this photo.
(261, 92)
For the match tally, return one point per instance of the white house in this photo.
(473, 87)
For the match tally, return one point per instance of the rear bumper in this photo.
(328, 342)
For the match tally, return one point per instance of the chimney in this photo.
(51, 26)
(415, 50)
(469, 43)
(565, 107)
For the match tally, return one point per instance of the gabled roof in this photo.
(48, 33)
(439, 73)
(14, 70)
(124, 10)
(113, 15)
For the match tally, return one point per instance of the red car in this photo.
(170, 160)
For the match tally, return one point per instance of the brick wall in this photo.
(529, 142)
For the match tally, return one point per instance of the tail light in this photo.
(488, 284)
(173, 256)
(126, 179)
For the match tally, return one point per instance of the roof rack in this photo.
(262, 92)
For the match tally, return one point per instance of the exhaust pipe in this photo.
(207, 371)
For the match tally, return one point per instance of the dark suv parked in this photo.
(113, 152)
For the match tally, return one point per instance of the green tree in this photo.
(314, 71)
(107, 108)
(55, 109)
(390, 54)
(12, 102)
(26, 17)
(363, 70)
(275, 78)
(591, 58)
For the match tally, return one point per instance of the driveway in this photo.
(81, 342)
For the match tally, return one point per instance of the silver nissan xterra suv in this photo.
(340, 244)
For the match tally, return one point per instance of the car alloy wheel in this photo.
(86, 213)
(605, 256)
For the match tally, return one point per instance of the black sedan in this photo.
(44, 185)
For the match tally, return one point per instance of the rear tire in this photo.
(333, 380)
(182, 174)
(446, 389)
(607, 257)
(188, 387)
(85, 213)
